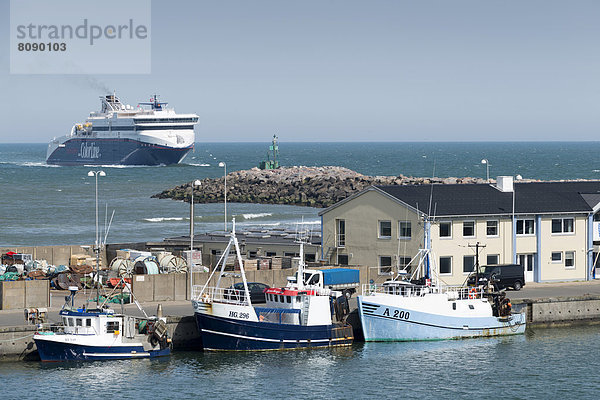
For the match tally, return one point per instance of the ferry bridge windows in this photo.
(563, 225)
(468, 264)
(492, 259)
(491, 228)
(468, 228)
(446, 265)
(385, 229)
(385, 265)
(445, 229)
(404, 230)
(525, 227)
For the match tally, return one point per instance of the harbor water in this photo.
(46, 205)
(542, 364)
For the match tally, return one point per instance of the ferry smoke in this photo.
(89, 82)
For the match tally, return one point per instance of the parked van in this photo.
(502, 276)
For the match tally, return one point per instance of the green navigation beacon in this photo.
(271, 162)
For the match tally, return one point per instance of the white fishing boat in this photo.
(296, 316)
(423, 309)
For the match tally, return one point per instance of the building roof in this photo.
(486, 199)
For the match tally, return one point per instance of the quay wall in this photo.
(55, 255)
(561, 311)
(24, 294)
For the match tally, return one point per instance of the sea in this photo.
(44, 205)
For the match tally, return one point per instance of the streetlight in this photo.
(191, 258)
(224, 165)
(97, 244)
(487, 168)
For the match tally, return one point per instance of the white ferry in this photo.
(119, 134)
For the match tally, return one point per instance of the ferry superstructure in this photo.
(119, 134)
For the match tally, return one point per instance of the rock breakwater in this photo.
(300, 186)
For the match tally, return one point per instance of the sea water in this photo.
(49, 205)
(556, 363)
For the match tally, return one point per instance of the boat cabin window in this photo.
(65, 321)
(112, 326)
(71, 322)
(78, 322)
(311, 279)
(280, 298)
(288, 298)
(88, 322)
(298, 299)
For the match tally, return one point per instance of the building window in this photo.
(525, 227)
(468, 264)
(404, 263)
(569, 259)
(556, 256)
(404, 230)
(385, 265)
(563, 225)
(310, 257)
(342, 259)
(290, 254)
(271, 254)
(469, 229)
(385, 229)
(445, 265)
(491, 228)
(340, 225)
(445, 229)
(492, 259)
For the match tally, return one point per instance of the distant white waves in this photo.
(30, 164)
(256, 215)
(198, 165)
(163, 219)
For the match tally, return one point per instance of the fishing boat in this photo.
(100, 334)
(296, 316)
(420, 308)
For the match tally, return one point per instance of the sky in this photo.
(325, 70)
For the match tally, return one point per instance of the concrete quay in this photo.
(547, 305)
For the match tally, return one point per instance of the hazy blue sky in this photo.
(345, 70)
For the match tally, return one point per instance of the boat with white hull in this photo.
(421, 308)
(294, 317)
(119, 134)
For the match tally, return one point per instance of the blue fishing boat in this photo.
(100, 334)
(297, 316)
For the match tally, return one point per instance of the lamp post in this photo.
(97, 244)
(487, 169)
(224, 165)
(514, 221)
(191, 259)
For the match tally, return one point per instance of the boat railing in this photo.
(218, 295)
(410, 290)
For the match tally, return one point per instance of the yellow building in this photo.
(548, 227)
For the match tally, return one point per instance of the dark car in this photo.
(502, 276)
(257, 291)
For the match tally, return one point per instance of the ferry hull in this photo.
(219, 333)
(382, 323)
(51, 350)
(122, 151)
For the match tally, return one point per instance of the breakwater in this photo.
(300, 186)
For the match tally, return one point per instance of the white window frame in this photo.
(573, 259)
(474, 228)
(340, 237)
(391, 267)
(463, 269)
(440, 266)
(553, 261)
(400, 230)
(562, 226)
(440, 230)
(497, 227)
(379, 235)
(522, 220)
